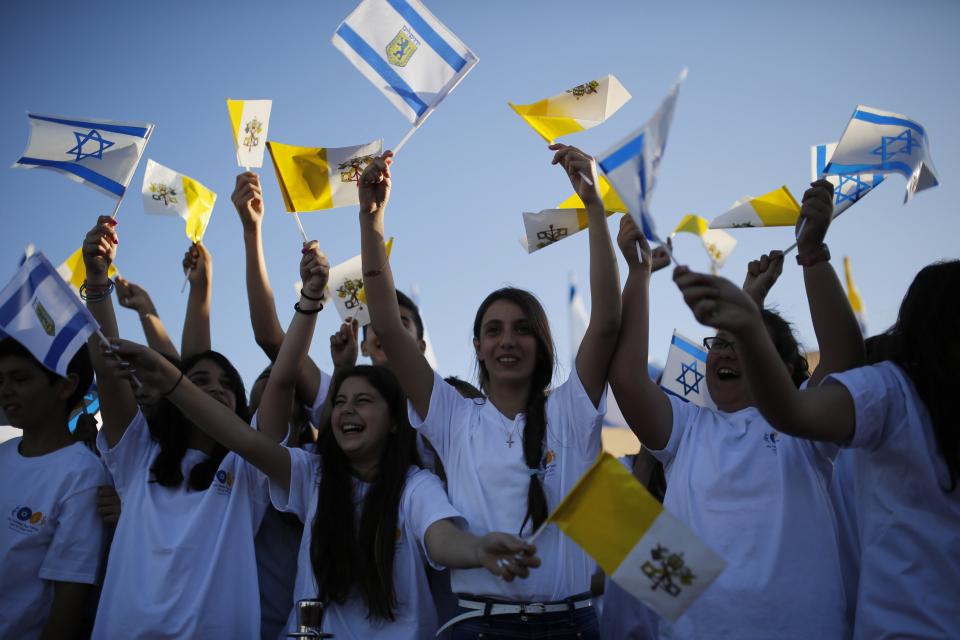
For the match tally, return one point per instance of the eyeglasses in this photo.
(717, 343)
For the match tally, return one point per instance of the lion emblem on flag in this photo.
(402, 48)
(49, 327)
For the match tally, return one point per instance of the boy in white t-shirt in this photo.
(51, 538)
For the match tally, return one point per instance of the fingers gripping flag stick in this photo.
(409, 55)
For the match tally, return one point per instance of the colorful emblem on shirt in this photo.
(26, 520)
(402, 47)
(667, 571)
(771, 439)
(225, 477)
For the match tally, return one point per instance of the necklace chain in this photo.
(510, 432)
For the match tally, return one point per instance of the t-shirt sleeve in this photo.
(873, 390)
(127, 459)
(76, 550)
(304, 478)
(445, 404)
(572, 405)
(425, 502)
(316, 411)
(684, 413)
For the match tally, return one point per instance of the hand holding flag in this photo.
(314, 271)
(197, 266)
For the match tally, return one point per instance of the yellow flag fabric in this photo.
(315, 178)
(718, 244)
(611, 200)
(775, 209)
(856, 302)
(200, 201)
(74, 272)
(577, 109)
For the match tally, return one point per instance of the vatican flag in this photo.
(719, 244)
(168, 193)
(611, 201)
(249, 119)
(640, 545)
(582, 107)
(313, 178)
(775, 209)
(74, 272)
(345, 287)
(856, 302)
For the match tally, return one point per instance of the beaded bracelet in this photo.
(311, 298)
(101, 291)
(307, 312)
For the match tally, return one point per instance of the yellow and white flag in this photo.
(345, 288)
(856, 302)
(249, 119)
(719, 244)
(168, 193)
(611, 200)
(570, 216)
(639, 545)
(314, 178)
(582, 107)
(775, 209)
(74, 272)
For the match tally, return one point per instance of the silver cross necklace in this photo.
(509, 432)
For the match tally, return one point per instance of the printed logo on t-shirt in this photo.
(771, 439)
(549, 463)
(223, 482)
(26, 520)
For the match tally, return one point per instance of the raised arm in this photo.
(645, 407)
(762, 274)
(133, 296)
(821, 413)
(198, 265)
(161, 379)
(273, 416)
(247, 198)
(403, 352)
(118, 404)
(836, 327)
(600, 339)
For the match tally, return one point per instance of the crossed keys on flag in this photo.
(163, 192)
(253, 130)
(664, 568)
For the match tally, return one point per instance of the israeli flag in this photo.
(884, 142)
(102, 154)
(847, 189)
(685, 374)
(40, 311)
(405, 52)
(632, 165)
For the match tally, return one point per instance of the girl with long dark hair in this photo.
(514, 454)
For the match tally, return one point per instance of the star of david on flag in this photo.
(685, 372)
(876, 141)
(847, 188)
(102, 154)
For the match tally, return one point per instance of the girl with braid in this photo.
(513, 454)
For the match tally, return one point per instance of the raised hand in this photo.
(129, 360)
(343, 345)
(578, 164)
(717, 302)
(762, 274)
(374, 184)
(100, 249)
(247, 199)
(816, 211)
(314, 269)
(506, 556)
(198, 265)
(133, 296)
(627, 238)
(661, 257)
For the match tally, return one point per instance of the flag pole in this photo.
(116, 209)
(303, 232)
(106, 343)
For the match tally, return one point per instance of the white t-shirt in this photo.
(50, 532)
(422, 503)
(488, 480)
(316, 411)
(759, 499)
(182, 562)
(909, 526)
(843, 486)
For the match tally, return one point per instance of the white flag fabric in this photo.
(102, 154)
(847, 189)
(878, 141)
(250, 120)
(345, 288)
(633, 164)
(405, 52)
(428, 352)
(579, 320)
(169, 193)
(40, 311)
(685, 374)
(551, 225)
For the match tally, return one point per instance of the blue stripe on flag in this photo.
(888, 120)
(16, 302)
(685, 346)
(628, 151)
(86, 173)
(139, 132)
(434, 39)
(63, 339)
(674, 394)
(382, 67)
(821, 159)
(844, 169)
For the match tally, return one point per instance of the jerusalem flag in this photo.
(314, 178)
(168, 193)
(642, 547)
(577, 109)
(249, 120)
(775, 209)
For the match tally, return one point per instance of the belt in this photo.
(490, 607)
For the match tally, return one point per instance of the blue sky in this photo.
(767, 80)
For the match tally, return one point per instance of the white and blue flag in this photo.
(98, 153)
(405, 52)
(685, 374)
(632, 165)
(848, 188)
(40, 311)
(883, 142)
